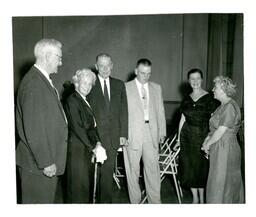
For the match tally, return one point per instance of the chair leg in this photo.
(145, 197)
(176, 186)
(117, 181)
(181, 193)
(116, 174)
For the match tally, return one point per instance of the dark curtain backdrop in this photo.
(174, 43)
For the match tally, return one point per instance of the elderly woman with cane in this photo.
(224, 184)
(84, 141)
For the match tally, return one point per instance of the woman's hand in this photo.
(99, 153)
(206, 147)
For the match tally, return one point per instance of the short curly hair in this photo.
(227, 85)
(83, 74)
(45, 45)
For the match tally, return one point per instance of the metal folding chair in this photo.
(167, 146)
(119, 171)
(168, 164)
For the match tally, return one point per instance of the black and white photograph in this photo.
(144, 108)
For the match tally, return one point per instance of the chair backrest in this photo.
(168, 164)
(167, 158)
(167, 146)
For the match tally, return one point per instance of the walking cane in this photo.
(95, 180)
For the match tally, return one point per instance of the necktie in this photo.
(106, 94)
(144, 97)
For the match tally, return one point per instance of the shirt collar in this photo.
(140, 84)
(102, 79)
(44, 72)
(84, 98)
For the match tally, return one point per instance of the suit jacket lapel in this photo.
(137, 95)
(47, 83)
(88, 108)
(113, 91)
(151, 102)
(98, 87)
(51, 89)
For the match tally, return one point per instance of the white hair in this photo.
(83, 74)
(45, 45)
(227, 85)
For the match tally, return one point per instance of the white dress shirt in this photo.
(102, 85)
(44, 73)
(139, 86)
(48, 78)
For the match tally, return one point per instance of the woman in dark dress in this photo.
(196, 111)
(83, 138)
(224, 184)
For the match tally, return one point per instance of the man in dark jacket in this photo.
(42, 127)
(109, 104)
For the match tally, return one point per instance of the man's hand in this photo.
(50, 171)
(123, 141)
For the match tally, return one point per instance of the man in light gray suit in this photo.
(147, 127)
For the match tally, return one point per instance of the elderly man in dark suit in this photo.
(109, 104)
(42, 127)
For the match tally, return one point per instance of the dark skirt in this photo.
(78, 173)
(193, 166)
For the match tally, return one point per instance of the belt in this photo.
(146, 122)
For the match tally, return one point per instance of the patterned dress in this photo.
(225, 183)
(193, 166)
